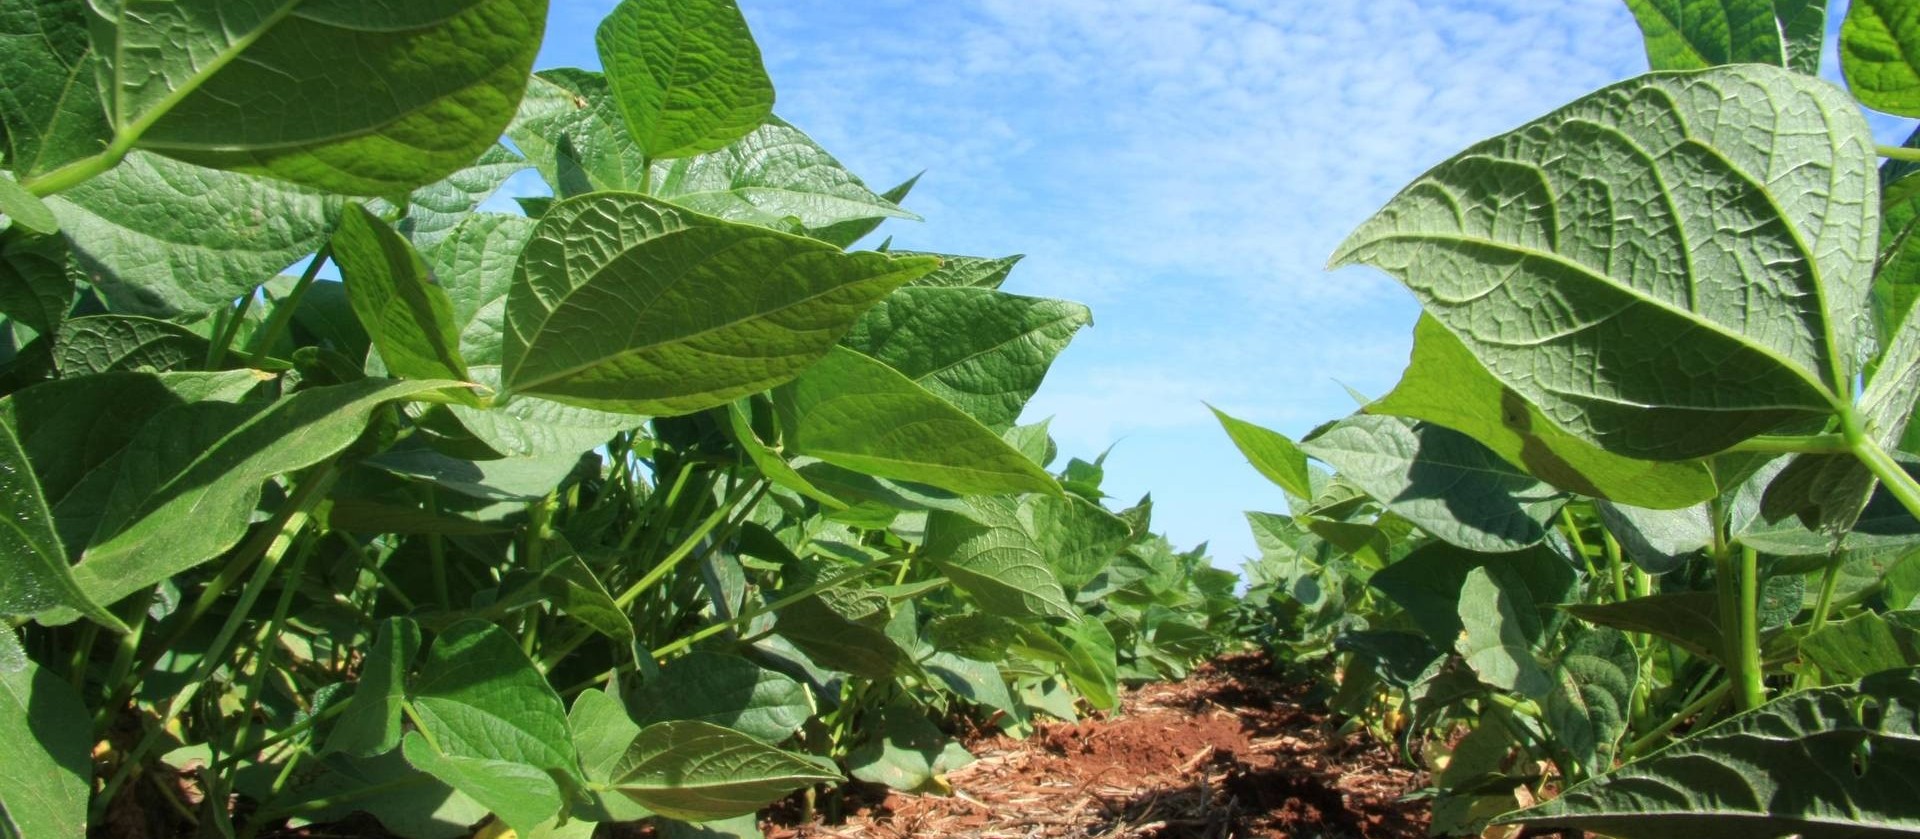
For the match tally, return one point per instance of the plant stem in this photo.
(1813, 444)
(1891, 474)
(1706, 703)
(1898, 153)
(686, 546)
(217, 351)
(1736, 592)
(283, 311)
(437, 556)
(215, 655)
(1618, 564)
(1753, 689)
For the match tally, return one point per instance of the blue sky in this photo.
(1182, 166)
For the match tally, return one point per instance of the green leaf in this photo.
(1086, 652)
(50, 106)
(845, 234)
(984, 351)
(37, 279)
(837, 643)
(1500, 628)
(979, 682)
(771, 464)
(523, 479)
(162, 238)
(529, 427)
(409, 318)
(1591, 701)
(572, 132)
(623, 303)
(493, 728)
(1427, 583)
(243, 86)
(855, 412)
(434, 210)
(412, 804)
(371, 724)
(1689, 619)
(728, 691)
(1697, 34)
(1880, 55)
(774, 177)
(1659, 541)
(474, 263)
(1071, 537)
(1762, 262)
(698, 771)
(573, 589)
(1813, 764)
(965, 271)
(1863, 645)
(111, 343)
(34, 574)
(1446, 385)
(1272, 453)
(188, 482)
(996, 558)
(24, 210)
(602, 730)
(686, 73)
(1803, 24)
(903, 749)
(1441, 480)
(522, 796)
(47, 776)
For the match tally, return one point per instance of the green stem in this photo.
(1829, 585)
(217, 351)
(1753, 690)
(1898, 153)
(437, 557)
(1814, 444)
(215, 656)
(686, 546)
(1654, 738)
(1894, 477)
(1731, 586)
(1618, 564)
(264, 645)
(282, 316)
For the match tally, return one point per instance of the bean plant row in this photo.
(651, 500)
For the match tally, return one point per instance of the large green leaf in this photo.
(1591, 700)
(1553, 252)
(1427, 583)
(686, 73)
(24, 210)
(47, 776)
(1272, 453)
(491, 726)
(573, 590)
(371, 724)
(775, 177)
(836, 642)
(50, 106)
(109, 343)
(725, 690)
(903, 750)
(985, 351)
(1441, 480)
(34, 574)
(533, 427)
(572, 132)
(1500, 629)
(474, 262)
(627, 304)
(1863, 645)
(1880, 54)
(412, 804)
(1696, 34)
(434, 210)
(855, 412)
(1689, 619)
(161, 237)
(409, 318)
(602, 731)
(1820, 764)
(1447, 386)
(997, 556)
(189, 480)
(699, 771)
(1071, 537)
(260, 85)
